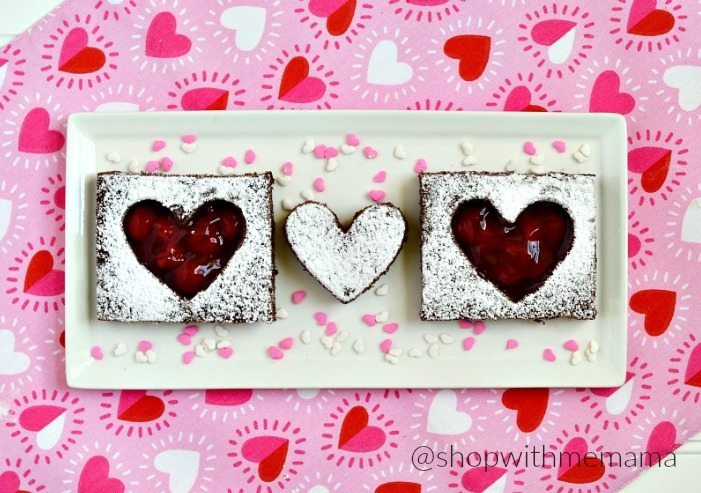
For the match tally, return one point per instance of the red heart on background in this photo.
(645, 19)
(137, 407)
(269, 452)
(398, 487)
(227, 397)
(473, 52)
(162, 41)
(606, 96)
(579, 469)
(94, 478)
(356, 435)
(519, 99)
(530, 406)
(41, 279)
(479, 479)
(653, 163)
(296, 86)
(504, 253)
(658, 306)
(35, 136)
(692, 375)
(205, 98)
(339, 22)
(76, 56)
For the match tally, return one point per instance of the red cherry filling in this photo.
(516, 257)
(188, 256)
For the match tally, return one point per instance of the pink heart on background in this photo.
(606, 96)
(205, 98)
(226, 397)
(36, 418)
(94, 477)
(577, 447)
(324, 8)
(35, 136)
(643, 158)
(518, 99)
(662, 440)
(258, 449)
(548, 32)
(478, 479)
(74, 43)
(308, 90)
(9, 482)
(161, 39)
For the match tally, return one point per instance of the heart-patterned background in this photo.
(640, 58)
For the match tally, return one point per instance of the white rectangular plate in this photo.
(277, 137)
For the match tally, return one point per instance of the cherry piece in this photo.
(516, 257)
(187, 256)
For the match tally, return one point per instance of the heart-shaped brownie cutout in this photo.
(346, 260)
(516, 257)
(186, 255)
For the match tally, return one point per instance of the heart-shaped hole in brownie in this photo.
(516, 257)
(187, 256)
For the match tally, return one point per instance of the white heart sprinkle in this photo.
(225, 170)
(327, 342)
(585, 149)
(391, 359)
(469, 160)
(336, 348)
(223, 343)
(538, 170)
(359, 346)
(591, 356)
(348, 149)
(221, 331)
(283, 180)
(395, 351)
(430, 338)
(400, 152)
(307, 194)
(576, 358)
(151, 356)
(114, 157)
(467, 148)
(282, 314)
(593, 346)
(120, 350)
(200, 351)
(446, 338)
(308, 146)
(433, 350)
(579, 157)
(382, 290)
(305, 336)
(134, 166)
(209, 344)
(140, 357)
(510, 165)
(188, 147)
(331, 164)
(538, 159)
(415, 352)
(287, 204)
(342, 336)
(382, 317)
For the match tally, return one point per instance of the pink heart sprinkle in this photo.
(352, 140)
(152, 166)
(479, 327)
(319, 151)
(229, 162)
(380, 177)
(390, 328)
(529, 148)
(286, 343)
(548, 355)
(275, 352)
(369, 319)
(330, 152)
(370, 152)
(249, 157)
(571, 345)
(321, 318)
(166, 164)
(331, 329)
(511, 344)
(184, 339)
(420, 166)
(287, 168)
(467, 343)
(189, 138)
(157, 145)
(298, 296)
(188, 356)
(225, 352)
(386, 345)
(319, 184)
(144, 346)
(465, 324)
(559, 146)
(376, 195)
(191, 330)
(96, 352)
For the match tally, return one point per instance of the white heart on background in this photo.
(181, 466)
(307, 393)
(11, 362)
(3, 70)
(444, 417)
(686, 78)
(117, 107)
(498, 486)
(318, 489)
(115, 2)
(385, 69)
(49, 435)
(248, 22)
(5, 216)
(617, 402)
(560, 50)
(691, 226)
